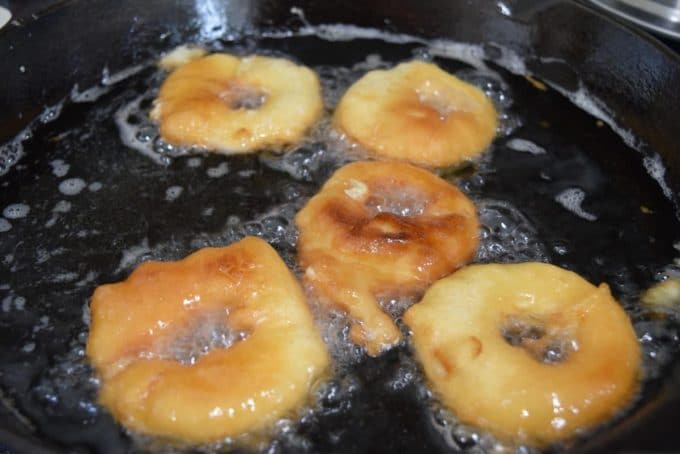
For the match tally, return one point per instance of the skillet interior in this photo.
(130, 206)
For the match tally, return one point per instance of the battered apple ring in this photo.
(529, 352)
(237, 105)
(418, 113)
(140, 323)
(382, 228)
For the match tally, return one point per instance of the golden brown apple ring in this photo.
(417, 113)
(382, 228)
(237, 105)
(226, 391)
(530, 352)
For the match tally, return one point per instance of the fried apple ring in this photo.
(237, 105)
(382, 228)
(139, 324)
(417, 113)
(530, 352)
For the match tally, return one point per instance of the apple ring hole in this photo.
(200, 337)
(243, 97)
(543, 345)
(435, 101)
(397, 200)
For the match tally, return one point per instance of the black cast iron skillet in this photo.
(44, 389)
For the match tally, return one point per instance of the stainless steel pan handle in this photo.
(660, 16)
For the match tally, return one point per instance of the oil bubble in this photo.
(72, 186)
(572, 199)
(507, 236)
(173, 192)
(219, 171)
(59, 167)
(16, 211)
(525, 146)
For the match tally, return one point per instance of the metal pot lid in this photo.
(659, 16)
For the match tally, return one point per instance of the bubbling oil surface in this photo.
(208, 200)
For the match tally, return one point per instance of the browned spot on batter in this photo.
(242, 133)
(476, 346)
(384, 231)
(443, 360)
(236, 268)
(338, 212)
